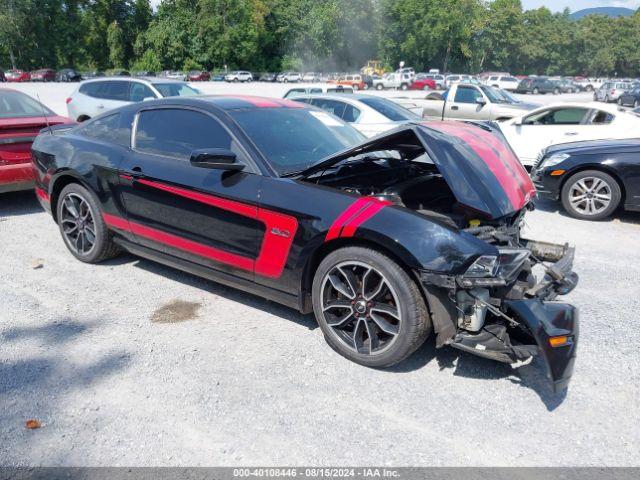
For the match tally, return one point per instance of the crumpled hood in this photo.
(474, 159)
(479, 166)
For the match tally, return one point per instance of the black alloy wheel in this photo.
(82, 227)
(368, 308)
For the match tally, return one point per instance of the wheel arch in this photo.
(320, 253)
(598, 167)
(62, 180)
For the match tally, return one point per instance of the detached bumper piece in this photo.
(560, 278)
(553, 333)
(555, 327)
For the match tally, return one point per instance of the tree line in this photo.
(314, 35)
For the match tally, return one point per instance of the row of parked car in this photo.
(528, 128)
(41, 75)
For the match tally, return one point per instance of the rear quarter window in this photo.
(107, 129)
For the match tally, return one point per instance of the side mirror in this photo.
(216, 158)
(481, 101)
(518, 122)
(146, 99)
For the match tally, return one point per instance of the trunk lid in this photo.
(18, 133)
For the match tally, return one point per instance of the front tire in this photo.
(591, 195)
(536, 91)
(369, 309)
(379, 86)
(82, 227)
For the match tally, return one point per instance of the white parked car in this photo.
(93, 97)
(611, 91)
(319, 88)
(238, 76)
(289, 77)
(393, 80)
(530, 133)
(503, 82)
(369, 114)
(311, 77)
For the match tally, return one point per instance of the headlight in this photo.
(494, 271)
(554, 159)
(484, 266)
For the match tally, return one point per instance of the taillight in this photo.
(68, 100)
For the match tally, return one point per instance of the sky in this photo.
(558, 5)
(575, 5)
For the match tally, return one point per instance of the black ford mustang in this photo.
(383, 240)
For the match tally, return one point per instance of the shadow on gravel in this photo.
(620, 215)
(13, 204)
(532, 376)
(53, 333)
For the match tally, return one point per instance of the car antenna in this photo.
(44, 114)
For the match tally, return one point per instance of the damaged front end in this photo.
(498, 309)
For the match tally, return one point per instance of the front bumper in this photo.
(547, 186)
(546, 321)
(524, 322)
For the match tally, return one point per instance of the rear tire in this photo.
(536, 91)
(82, 227)
(379, 321)
(379, 86)
(591, 195)
(635, 104)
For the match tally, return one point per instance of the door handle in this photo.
(135, 172)
(455, 108)
(571, 133)
(100, 106)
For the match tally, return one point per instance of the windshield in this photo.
(495, 95)
(508, 97)
(389, 109)
(16, 104)
(293, 139)
(176, 89)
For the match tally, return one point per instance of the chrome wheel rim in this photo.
(590, 196)
(78, 226)
(361, 308)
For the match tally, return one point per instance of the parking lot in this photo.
(133, 363)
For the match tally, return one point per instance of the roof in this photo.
(607, 107)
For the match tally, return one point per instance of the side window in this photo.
(332, 106)
(560, 116)
(116, 90)
(177, 133)
(94, 89)
(467, 95)
(601, 118)
(315, 90)
(139, 91)
(108, 129)
(351, 113)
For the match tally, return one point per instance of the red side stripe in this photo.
(44, 196)
(180, 243)
(237, 207)
(273, 254)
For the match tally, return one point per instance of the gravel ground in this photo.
(132, 363)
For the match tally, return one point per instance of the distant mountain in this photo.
(608, 11)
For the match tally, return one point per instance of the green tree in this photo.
(115, 43)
